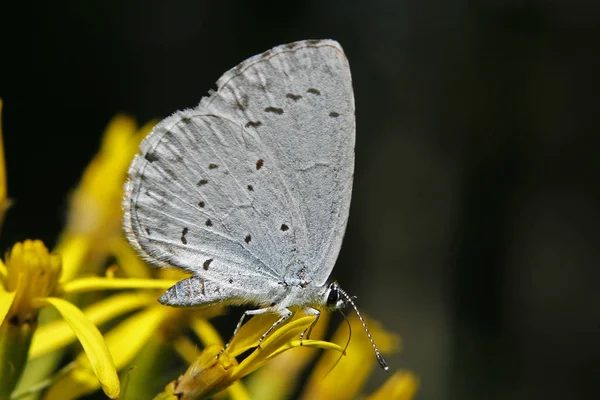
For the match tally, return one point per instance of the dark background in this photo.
(473, 229)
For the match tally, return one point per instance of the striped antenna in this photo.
(362, 321)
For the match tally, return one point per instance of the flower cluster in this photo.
(91, 294)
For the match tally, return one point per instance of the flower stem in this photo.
(15, 340)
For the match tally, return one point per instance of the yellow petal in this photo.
(6, 301)
(237, 391)
(129, 261)
(99, 283)
(3, 271)
(276, 380)
(351, 372)
(186, 349)
(251, 332)
(206, 332)
(206, 376)
(57, 334)
(277, 342)
(92, 342)
(124, 342)
(309, 344)
(402, 385)
(127, 338)
(73, 385)
(189, 352)
(74, 249)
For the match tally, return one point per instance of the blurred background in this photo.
(473, 231)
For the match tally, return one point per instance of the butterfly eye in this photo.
(333, 297)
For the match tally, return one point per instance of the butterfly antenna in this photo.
(362, 321)
(345, 347)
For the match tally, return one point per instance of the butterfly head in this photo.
(336, 299)
(333, 297)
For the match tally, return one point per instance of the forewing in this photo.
(297, 99)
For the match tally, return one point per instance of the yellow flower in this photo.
(150, 323)
(286, 357)
(32, 278)
(210, 374)
(29, 282)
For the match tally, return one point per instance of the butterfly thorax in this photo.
(301, 293)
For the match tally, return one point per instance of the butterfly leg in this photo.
(285, 314)
(308, 331)
(241, 321)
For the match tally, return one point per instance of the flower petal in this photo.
(73, 385)
(186, 349)
(312, 344)
(276, 380)
(251, 332)
(401, 386)
(127, 338)
(57, 334)
(206, 376)
(6, 301)
(129, 261)
(92, 342)
(351, 371)
(273, 344)
(99, 283)
(74, 249)
(237, 391)
(206, 332)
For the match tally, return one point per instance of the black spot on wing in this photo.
(230, 280)
(314, 91)
(183, 233)
(254, 124)
(333, 114)
(259, 164)
(201, 204)
(251, 188)
(274, 110)
(294, 97)
(147, 230)
(284, 227)
(151, 156)
(206, 263)
(247, 239)
(213, 166)
(202, 182)
(313, 41)
(208, 222)
(186, 120)
(266, 53)
(291, 45)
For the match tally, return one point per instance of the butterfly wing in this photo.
(195, 199)
(251, 188)
(298, 99)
